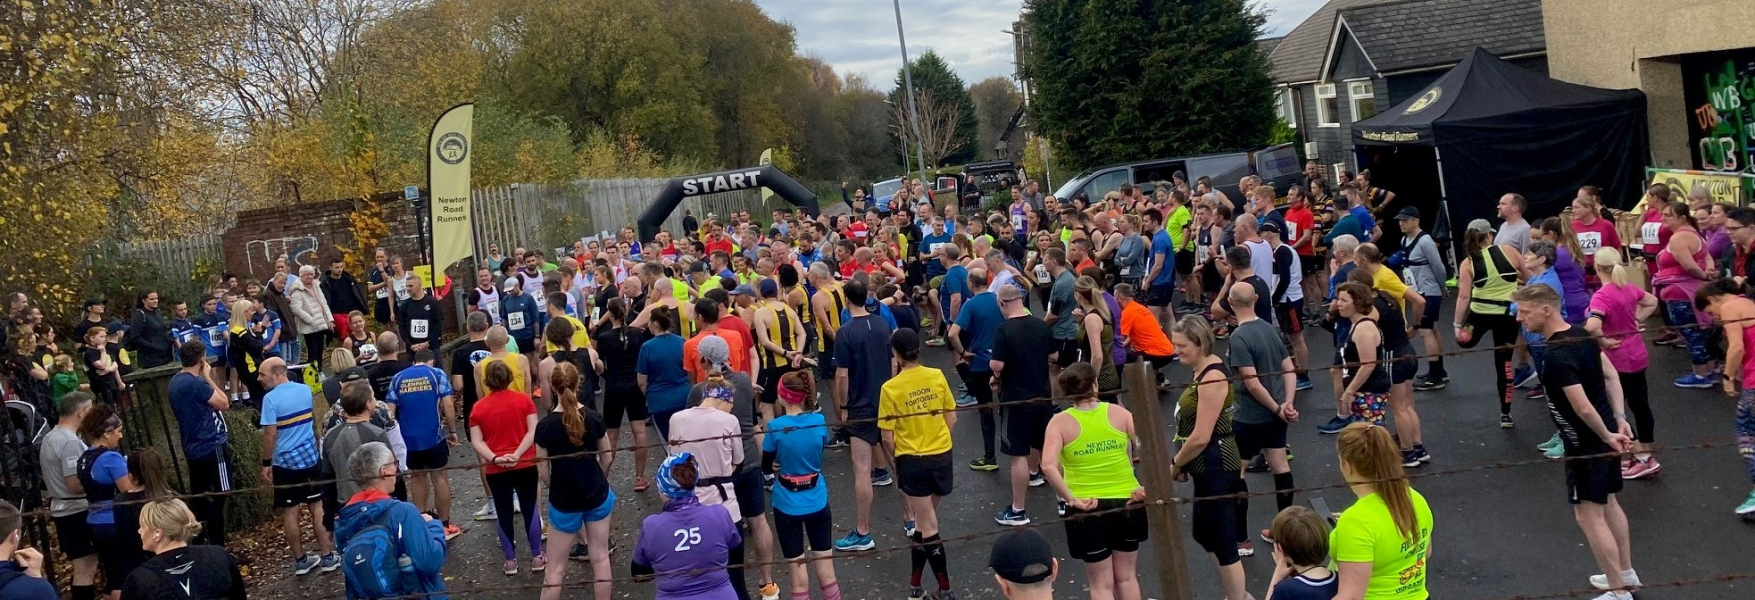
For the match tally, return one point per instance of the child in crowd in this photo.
(62, 379)
(1300, 539)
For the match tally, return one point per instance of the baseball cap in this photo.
(90, 302)
(117, 327)
(698, 267)
(351, 374)
(1271, 226)
(1408, 213)
(769, 288)
(1008, 293)
(511, 284)
(1481, 225)
(1022, 556)
(744, 290)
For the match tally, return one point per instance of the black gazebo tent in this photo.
(1487, 128)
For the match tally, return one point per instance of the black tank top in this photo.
(95, 491)
(1378, 381)
(1393, 324)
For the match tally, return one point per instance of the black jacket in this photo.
(149, 337)
(343, 293)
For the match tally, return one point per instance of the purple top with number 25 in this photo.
(689, 536)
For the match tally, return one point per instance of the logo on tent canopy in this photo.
(1425, 100)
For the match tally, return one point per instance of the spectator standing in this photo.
(149, 333)
(344, 297)
(21, 571)
(290, 464)
(1024, 566)
(197, 403)
(312, 315)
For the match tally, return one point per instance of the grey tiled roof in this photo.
(1409, 34)
(1298, 56)
(1267, 45)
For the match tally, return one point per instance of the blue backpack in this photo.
(373, 562)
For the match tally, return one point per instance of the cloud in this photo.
(859, 36)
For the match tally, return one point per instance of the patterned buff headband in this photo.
(722, 393)
(667, 484)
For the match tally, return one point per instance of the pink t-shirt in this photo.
(1599, 234)
(717, 454)
(1653, 236)
(1618, 305)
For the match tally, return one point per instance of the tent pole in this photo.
(1444, 205)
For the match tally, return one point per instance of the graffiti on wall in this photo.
(300, 250)
(1721, 91)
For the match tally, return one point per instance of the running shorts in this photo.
(1252, 438)
(1184, 262)
(1069, 352)
(924, 476)
(793, 531)
(1593, 479)
(1215, 523)
(75, 536)
(435, 457)
(1434, 304)
(1159, 296)
(1025, 428)
(1289, 317)
(1115, 528)
(618, 402)
(299, 487)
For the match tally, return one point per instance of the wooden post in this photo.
(1165, 517)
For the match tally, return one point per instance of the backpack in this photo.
(373, 562)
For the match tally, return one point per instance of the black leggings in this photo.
(1505, 337)
(734, 568)
(976, 381)
(521, 483)
(1638, 405)
(313, 347)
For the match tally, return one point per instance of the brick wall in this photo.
(310, 234)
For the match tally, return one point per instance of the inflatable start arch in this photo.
(724, 181)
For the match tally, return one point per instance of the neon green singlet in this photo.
(1096, 462)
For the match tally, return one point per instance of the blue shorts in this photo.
(570, 523)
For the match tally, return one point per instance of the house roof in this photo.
(1410, 34)
(1267, 45)
(1298, 56)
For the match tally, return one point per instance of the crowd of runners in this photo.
(728, 340)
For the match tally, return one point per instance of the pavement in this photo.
(1499, 532)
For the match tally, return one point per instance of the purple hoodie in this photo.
(688, 535)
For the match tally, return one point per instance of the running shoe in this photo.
(1669, 338)
(1505, 422)
(965, 400)
(1259, 465)
(1012, 517)
(509, 567)
(917, 594)
(1641, 469)
(855, 542)
(1553, 442)
(1555, 453)
(1536, 394)
(1429, 383)
(1420, 453)
(1267, 536)
(1699, 382)
(936, 342)
(487, 512)
(1037, 480)
(768, 482)
(452, 531)
(1410, 458)
(839, 440)
(1222, 333)
(579, 552)
(1748, 506)
(640, 484)
(1335, 425)
(770, 591)
(982, 463)
(1305, 384)
(1247, 548)
(881, 477)
(1060, 508)
(1615, 595)
(1525, 377)
(1629, 578)
(329, 562)
(909, 528)
(305, 563)
(946, 595)
(538, 564)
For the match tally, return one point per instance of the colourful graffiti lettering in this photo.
(1725, 122)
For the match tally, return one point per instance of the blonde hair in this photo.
(241, 313)
(171, 517)
(1196, 330)
(339, 359)
(1609, 260)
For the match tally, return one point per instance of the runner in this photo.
(196, 401)
(1092, 441)
(1365, 380)
(1096, 333)
(1265, 388)
(792, 451)
(662, 379)
(1724, 301)
(167, 527)
(102, 472)
(862, 364)
(1143, 332)
(1158, 287)
(1209, 454)
(1595, 230)
(619, 347)
(718, 429)
(502, 430)
(779, 341)
(1616, 311)
(1486, 279)
(1059, 311)
(60, 452)
(1289, 298)
(426, 412)
(290, 464)
(1681, 270)
(569, 445)
(1423, 269)
(692, 565)
(921, 441)
(1380, 545)
(1587, 407)
(1396, 350)
(978, 322)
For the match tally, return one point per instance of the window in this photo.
(1363, 99)
(1286, 107)
(1103, 183)
(1328, 108)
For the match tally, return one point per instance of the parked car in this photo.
(1277, 164)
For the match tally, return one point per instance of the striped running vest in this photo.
(780, 321)
(1495, 281)
(837, 303)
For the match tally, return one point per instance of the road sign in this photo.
(411, 192)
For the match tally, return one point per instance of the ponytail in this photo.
(1609, 259)
(1372, 455)
(564, 382)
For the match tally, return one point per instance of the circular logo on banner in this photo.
(453, 148)
(1425, 100)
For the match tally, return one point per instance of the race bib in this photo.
(515, 321)
(417, 328)
(492, 308)
(1291, 231)
(1018, 222)
(1648, 233)
(1127, 271)
(1590, 242)
(935, 247)
(383, 293)
(1200, 254)
(1042, 274)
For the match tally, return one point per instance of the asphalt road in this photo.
(1499, 532)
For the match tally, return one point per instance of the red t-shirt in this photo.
(719, 245)
(502, 418)
(740, 354)
(731, 322)
(856, 230)
(1299, 219)
(1653, 235)
(1596, 236)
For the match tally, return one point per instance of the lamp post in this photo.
(908, 88)
(1024, 86)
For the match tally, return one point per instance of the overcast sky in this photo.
(859, 36)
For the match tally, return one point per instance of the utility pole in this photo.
(908, 88)
(1163, 515)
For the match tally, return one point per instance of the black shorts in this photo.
(623, 401)
(1406, 364)
(435, 457)
(826, 363)
(747, 486)
(1592, 480)
(1434, 304)
(1069, 352)
(1184, 262)
(1312, 264)
(1289, 317)
(75, 536)
(864, 429)
(769, 379)
(1095, 538)
(1215, 522)
(1209, 276)
(300, 487)
(117, 558)
(1252, 438)
(923, 476)
(1025, 428)
(793, 531)
(1159, 296)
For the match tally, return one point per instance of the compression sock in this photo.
(1242, 491)
(917, 558)
(1435, 367)
(935, 552)
(1283, 487)
(85, 592)
(832, 591)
